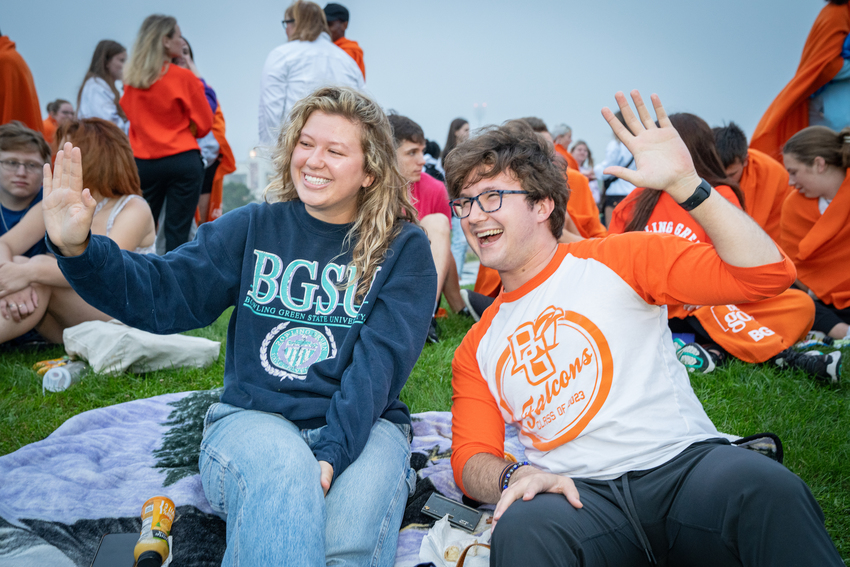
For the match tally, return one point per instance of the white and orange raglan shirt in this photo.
(580, 358)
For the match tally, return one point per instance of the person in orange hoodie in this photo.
(562, 138)
(762, 179)
(823, 65)
(58, 112)
(756, 332)
(814, 229)
(337, 17)
(18, 99)
(168, 108)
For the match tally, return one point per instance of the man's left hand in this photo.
(533, 482)
(662, 159)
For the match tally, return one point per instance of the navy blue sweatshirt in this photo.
(296, 344)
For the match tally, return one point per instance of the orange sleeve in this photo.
(477, 424)
(581, 207)
(197, 105)
(820, 62)
(667, 269)
(50, 127)
(765, 186)
(18, 97)
(488, 282)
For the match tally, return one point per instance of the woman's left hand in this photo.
(326, 476)
(19, 305)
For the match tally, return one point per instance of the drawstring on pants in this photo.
(627, 505)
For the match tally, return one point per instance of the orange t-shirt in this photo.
(764, 184)
(225, 166)
(820, 62)
(18, 99)
(354, 50)
(50, 127)
(581, 206)
(571, 161)
(161, 116)
(668, 217)
(819, 244)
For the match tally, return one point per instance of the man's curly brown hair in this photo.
(514, 149)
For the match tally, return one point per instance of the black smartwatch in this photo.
(701, 193)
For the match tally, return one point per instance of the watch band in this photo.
(699, 195)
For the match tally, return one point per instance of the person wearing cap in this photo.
(308, 61)
(337, 16)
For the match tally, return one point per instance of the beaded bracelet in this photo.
(505, 477)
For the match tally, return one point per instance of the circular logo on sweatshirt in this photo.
(292, 352)
(554, 375)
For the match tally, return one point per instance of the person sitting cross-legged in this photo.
(307, 456)
(624, 466)
(120, 213)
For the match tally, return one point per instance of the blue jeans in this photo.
(260, 475)
(459, 245)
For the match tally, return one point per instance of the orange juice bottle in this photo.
(152, 548)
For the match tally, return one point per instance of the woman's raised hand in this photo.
(661, 158)
(68, 208)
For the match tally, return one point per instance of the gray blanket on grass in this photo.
(90, 477)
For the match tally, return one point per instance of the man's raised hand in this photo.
(68, 208)
(661, 158)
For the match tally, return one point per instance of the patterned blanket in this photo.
(59, 496)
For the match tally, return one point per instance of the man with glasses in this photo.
(23, 153)
(624, 466)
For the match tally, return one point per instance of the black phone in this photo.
(115, 550)
(460, 516)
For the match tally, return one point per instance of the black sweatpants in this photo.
(713, 505)
(179, 178)
(828, 316)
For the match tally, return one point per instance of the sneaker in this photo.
(768, 444)
(695, 358)
(433, 337)
(476, 303)
(826, 367)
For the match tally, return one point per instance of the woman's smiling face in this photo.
(327, 167)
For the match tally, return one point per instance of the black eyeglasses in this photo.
(488, 201)
(287, 22)
(12, 166)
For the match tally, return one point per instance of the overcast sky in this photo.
(561, 60)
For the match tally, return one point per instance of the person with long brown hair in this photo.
(99, 97)
(753, 332)
(814, 227)
(120, 213)
(308, 60)
(168, 110)
(323, 334)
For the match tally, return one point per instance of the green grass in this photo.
(812, 420)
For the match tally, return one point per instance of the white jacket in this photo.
(293, 71)
(98, 101)
(616, 153)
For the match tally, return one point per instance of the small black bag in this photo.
(607, 182)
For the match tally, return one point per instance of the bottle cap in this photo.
(56, 380)
(149, 559)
